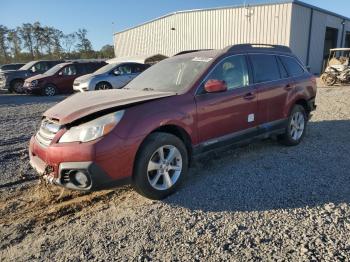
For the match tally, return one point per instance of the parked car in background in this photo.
(60, 78)
(148, 131)
(13, 80)
(14, 66)
(108, 77)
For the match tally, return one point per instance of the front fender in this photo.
(143, 119)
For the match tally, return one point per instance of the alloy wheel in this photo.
(18, 87)
(50, 91)
(297, 125)
(164, 167)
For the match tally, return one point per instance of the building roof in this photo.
(297, 2)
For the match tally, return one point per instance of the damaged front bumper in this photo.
(80, 175)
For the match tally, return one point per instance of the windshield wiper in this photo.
(148, 89)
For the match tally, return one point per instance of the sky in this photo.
(102, 18)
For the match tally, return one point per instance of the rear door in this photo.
(222, 116)
(272, 86)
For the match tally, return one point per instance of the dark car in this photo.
(13, 80)
(14, 66)
(147, 132)
(60, 78)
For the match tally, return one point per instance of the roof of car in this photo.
(264, 48)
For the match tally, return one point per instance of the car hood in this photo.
(36, 77)
(18, 73)
(83, 104)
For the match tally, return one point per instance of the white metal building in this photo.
(309, 31)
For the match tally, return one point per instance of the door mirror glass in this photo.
(116, 72)
(215, 86)
(60, 73)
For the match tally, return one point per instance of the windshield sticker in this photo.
(202, 59)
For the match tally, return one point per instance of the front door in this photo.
(65, 78)
(222, 115)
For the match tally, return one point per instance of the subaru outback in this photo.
(147, 132)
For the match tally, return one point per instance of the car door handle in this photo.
(288, 87)
(249, 96)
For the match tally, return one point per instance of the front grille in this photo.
(48, 130)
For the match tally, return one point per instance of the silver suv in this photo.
(108, 77)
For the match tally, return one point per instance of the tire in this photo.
(156, 179)
(49, 90)
(17, 86)
(103, 86)
(296, 126)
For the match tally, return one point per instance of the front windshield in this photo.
(105, 69)
(170, 75)
(28, 65)
(53, 70)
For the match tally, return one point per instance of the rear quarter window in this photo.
(292, 66)
(265, 68)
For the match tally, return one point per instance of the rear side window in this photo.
(265, 68)
(137, 68)
(292, 66)
(282, 69)
(87, 68)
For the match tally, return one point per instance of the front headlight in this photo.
(34, 83)
(92, 130)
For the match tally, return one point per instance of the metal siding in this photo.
(299, 34)
(204, 29)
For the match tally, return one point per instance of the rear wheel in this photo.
(17, 86)
(49, 90)
(103, 86)
(296, 126)
(161, 165)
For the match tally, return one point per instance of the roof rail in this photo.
(85, 60)
(258, 47)
(191, 51)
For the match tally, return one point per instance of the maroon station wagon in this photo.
(147, 132)
(59, 79)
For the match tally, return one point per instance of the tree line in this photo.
(36, 41)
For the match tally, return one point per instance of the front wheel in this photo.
(160, 166)
(296, 126)
(17, 86)
(49, 90)
(103, 86)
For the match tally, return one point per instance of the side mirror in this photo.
(60, 73)
(116, 72)
(214, 86)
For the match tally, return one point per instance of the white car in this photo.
(115, 75)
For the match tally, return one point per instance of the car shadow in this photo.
(268, 176)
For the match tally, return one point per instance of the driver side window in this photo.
(69, 70)
(233, 70)
(40, 67)
(124, 69)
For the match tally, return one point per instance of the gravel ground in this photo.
(260, 202)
